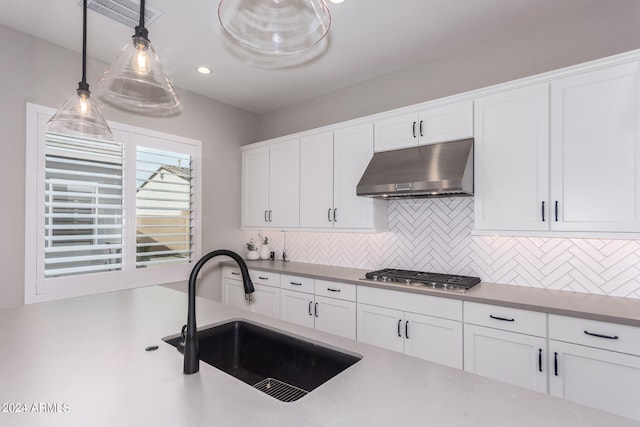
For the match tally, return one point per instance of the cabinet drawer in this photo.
(337, 290)
(446, 308)
(506, 318)
(608, 336)
(231, 273)
(265, 278)
(297, 283)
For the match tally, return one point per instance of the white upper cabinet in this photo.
(595, 150)
(316, 180)
(511, 160)
(255, 187)
(271, 185)
(431, 125)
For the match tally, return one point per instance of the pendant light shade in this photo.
(80, 115)
(275, 26)
(136, 79)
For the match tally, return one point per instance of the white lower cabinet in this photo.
(506, 344)
(388, 325)
(266, 298)
(314, 310)
(586, 370)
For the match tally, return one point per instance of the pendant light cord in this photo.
(83, 84)
(141, 31)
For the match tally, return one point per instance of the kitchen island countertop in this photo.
(82, 362)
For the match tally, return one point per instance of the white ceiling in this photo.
(368, 38)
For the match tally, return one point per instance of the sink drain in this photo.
(280, 390)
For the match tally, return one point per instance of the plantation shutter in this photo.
(83, 206)
(164, 212)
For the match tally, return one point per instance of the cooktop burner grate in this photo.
(435, 280)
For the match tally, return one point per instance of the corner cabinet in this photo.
(596, 364)
(506, 344)
(270, 185)
(428, 126)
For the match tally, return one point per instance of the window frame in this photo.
(39, 289)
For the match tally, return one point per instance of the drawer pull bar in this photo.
(502, 318)
(555, 363)
(235, 273)
(263, 278)
(609, 337)
(296, 283)
(333, 290)
(540, 359)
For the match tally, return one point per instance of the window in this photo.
(104, 216)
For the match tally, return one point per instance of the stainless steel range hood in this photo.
(436, 170)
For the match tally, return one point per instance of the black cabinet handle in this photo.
(543, 212)
(263, 278)
(269, 216)
(265, 216)
(421, 133)
(333, 290)
(310, 303)
(556, 210)
(235, 273)
(540, 359)
(414, 129)
(316, 309)
(501, 318)
(555, 364)
(329, 215)
(296, 283)
(399, 323)
(609, 337)
(335, 215)
(406, 329)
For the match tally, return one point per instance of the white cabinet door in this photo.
(353, 149)
(446, 123)
(284, 184)
(266, 300)
(255, 187)
(510, 357)
(335, 316)
(398, 131)
(316, 181)
(297, 307)
(595, 154)
(511, 160)
(380, 326)
(602, 379)
(233, 294)
(434, 339)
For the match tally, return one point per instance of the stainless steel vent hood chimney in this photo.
(436, 170)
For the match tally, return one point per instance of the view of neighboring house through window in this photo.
(108, 215)
(163, 207)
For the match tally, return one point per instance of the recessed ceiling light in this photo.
(204, 70)
(336, 1)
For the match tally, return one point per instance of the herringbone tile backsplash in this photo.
(435, 235)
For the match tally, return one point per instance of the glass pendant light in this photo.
(275, 27)
(80, 115)
(136, 80)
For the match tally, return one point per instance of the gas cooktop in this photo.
(444, 282)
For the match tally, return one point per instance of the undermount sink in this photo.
(278, 364)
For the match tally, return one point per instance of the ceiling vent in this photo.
(126, 12)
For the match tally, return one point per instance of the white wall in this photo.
(606, 28)
(36, 71)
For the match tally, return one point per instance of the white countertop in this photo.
(87, 355)
(597, 307)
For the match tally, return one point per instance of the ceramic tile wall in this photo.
(435, 235)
